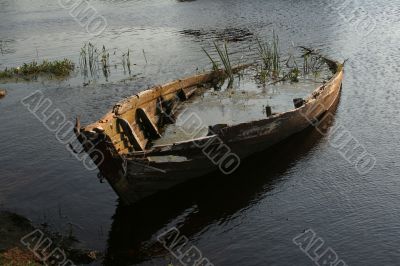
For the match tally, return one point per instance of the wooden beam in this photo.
(130, 134)
(148, 125)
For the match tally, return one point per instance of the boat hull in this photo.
(181, 162)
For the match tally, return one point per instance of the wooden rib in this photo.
(147, 123)
(130, 133)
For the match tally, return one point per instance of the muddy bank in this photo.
(13, 251)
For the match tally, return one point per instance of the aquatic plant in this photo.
(275, 55)
(215, 65)
(271, 66)
(264, 52)
(88, 59)
(224, 58)
(126, 61)
(293, 68)
(312, 61)
(92, 60)
(294, 74)
(144, 55)
(105, 62)
(262, 75)
(83, 61)
(270, 55)
(58, 68)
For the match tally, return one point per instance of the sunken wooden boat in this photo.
(123, 144)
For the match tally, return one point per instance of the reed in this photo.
(88, 59)
(105, 62)
(215, 65)
(294, 74)
(144, 55)
(262, 76)
(126, 62)
(269, 54)
(224, 58)
(276, 68)
(265, 53)
(83, 61)
(293, 68)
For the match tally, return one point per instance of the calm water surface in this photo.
(249, 218)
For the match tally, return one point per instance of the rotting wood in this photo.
(268, 111)
(3, 93)
(148, 125)
(298, 102)
(130, 133)
(133, 123)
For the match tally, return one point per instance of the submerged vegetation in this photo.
(270, 66)
(270, 56)
(126, 62)
(88, 59)
(92, 59)
(58, 68)
(223, 57)
(272, 60)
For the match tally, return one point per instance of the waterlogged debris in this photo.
(58, 68)
(3, 93)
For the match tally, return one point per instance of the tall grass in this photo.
(105, 62)
(272, 62)
(270, 55)
(88, 59)
(215, 65)
(224, 58)
(126, 62)
(144, 55)
(92, 60)
(312, 61)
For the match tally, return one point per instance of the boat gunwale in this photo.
(308, 101)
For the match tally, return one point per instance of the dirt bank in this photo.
(12, 251)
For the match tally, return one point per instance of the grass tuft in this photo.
(58, 68)
(270, 56)
(224, 57)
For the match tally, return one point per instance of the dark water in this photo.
(249, 218)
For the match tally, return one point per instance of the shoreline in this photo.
(17, 230)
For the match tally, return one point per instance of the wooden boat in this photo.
(122, 142)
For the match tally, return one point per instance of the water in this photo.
(246, 219)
